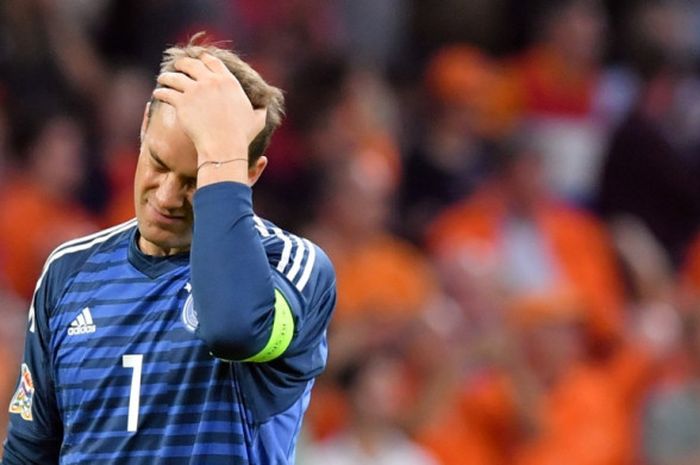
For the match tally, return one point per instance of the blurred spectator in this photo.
(672, 415)
(385, 284)
(543, 399)
(121, 112)
(376, 389)
(303, 28)
(475, 421)
(339, 112)
(558, 73)
(559, 79)
(314, 90)
(37, 209)
(575, 411)
(533, 243)
(416, 96)
(451, 155)
(651, 168)
(46, 58)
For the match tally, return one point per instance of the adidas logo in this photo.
(83, 324)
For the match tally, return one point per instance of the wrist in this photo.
(219, 163)
(211, 173)
(222, 162)
(221, 151)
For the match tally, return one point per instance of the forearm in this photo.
(231, 278)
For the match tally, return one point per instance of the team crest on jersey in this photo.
(22, 400)
(189, 315)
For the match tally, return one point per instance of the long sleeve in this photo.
(35, 432)
(261, 295)
(239, 309)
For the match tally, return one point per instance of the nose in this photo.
(171, 193)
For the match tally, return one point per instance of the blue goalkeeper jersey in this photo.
(207, 357)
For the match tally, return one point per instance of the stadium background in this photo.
(509, 191)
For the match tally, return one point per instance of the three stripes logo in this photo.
(83, 324)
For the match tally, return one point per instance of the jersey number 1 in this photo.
(135, 362)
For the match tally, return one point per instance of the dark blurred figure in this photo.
(45, 57)
(134, 32)
(450, 155)
(475, 21)
(653, 163)
(28, 67)
(38, 208)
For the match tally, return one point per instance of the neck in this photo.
(149, 248)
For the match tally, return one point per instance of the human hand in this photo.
(212, 107)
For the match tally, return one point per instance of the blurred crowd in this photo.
(509, 191)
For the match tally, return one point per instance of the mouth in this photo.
(165, 218)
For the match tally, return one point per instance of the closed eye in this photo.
(159, 164)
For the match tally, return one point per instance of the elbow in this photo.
(235, 339)
(229, 346)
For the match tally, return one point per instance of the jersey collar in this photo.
(150, 265)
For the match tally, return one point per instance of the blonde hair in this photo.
(260, 93)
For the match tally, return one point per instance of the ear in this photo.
(256, 170)
(144, 121)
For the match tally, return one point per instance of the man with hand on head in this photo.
(192, 334)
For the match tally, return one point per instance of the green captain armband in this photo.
(282, 332)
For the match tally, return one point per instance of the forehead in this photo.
(165, 136)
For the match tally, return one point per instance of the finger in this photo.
(213, 63)
(176, 81)
(169, 96)
(192, 67)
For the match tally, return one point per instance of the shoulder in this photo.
(65, 261)
(68, 258)
(71, 253)
(303, 263)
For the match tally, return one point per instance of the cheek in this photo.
(144, 179)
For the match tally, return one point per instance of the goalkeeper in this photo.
(193, 333)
